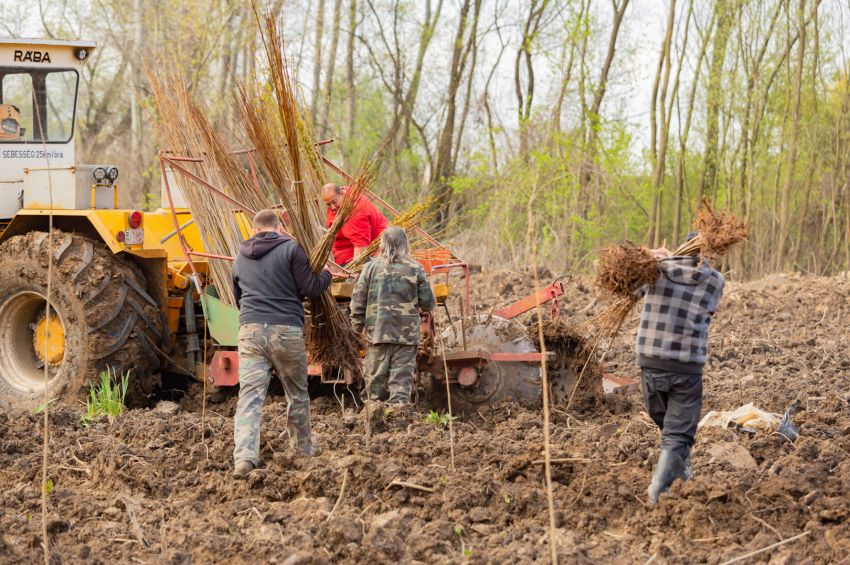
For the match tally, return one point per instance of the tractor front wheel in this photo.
(101, 317)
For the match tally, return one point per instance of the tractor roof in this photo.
(47, 42)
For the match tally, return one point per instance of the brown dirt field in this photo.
(772, 342)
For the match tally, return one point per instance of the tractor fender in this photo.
(99, 225)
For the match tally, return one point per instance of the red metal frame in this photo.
(551, 292)
(180, 238)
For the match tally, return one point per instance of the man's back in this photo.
(271, 274)
(677, 311)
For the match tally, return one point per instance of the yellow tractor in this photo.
(120, 295)
(124, 295)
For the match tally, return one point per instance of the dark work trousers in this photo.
(674, 401)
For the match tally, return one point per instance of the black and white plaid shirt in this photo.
(673, 332)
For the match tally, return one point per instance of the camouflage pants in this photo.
(389, 366)
(261, 348)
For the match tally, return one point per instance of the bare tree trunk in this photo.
(683, 138)
(599, 94)
(470, 75)
(349, 68)
(584, 167)
(556, 126)
(329, 76)
(407, 101)
(443, 167)
(135, 108)
(486, 100)
(317, 60)
(784, 205)
(524, 100)
(658, 159)
(723, 17)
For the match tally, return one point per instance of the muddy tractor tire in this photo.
(101, 317)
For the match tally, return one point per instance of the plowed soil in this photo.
(772, 342)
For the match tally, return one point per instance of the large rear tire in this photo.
(101, 306)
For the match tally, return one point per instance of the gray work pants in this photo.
(261, 348)
(674, 402)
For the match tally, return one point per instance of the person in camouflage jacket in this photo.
(386, 302)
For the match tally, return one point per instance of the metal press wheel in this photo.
(500, 379)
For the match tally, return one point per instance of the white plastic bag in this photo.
(747, 416)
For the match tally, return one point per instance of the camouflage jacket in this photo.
(387, 300)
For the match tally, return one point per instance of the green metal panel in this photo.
(222, 319)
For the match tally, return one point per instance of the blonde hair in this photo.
(394, 247)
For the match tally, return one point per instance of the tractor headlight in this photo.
(112, 173)
(99, 173)
(81, 53)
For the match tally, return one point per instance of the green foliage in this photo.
(49, 486)
(41, 407)
(438, 421)
(107, 398)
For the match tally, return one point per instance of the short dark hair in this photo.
(266, 220)
(330, 185)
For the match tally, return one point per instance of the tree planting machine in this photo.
(131, 290)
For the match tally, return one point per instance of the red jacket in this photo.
(364, 227)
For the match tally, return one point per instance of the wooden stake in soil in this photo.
(204, 400)
(341, 494)
(46, 335)
(547, 452)
(446, 370)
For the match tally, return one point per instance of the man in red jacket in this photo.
(364, 226)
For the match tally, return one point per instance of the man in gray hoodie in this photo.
(672, 347)
(271, 276)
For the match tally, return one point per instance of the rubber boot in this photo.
(669, 468)
(688, 473)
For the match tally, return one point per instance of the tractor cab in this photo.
(39, 87)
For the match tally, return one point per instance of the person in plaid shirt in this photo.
(672, 346)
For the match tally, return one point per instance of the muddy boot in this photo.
(688, 472)
(374, 408)
(669, 468)
(400, 411)
(242, 469)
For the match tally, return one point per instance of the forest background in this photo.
(565, 123)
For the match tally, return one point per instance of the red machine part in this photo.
(551, 292)
(224, 369)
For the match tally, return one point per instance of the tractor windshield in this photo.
(52, 92)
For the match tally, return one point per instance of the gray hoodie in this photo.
(271, 275)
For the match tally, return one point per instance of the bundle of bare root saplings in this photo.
(279, 128)
(715, 234)
(622, 269)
